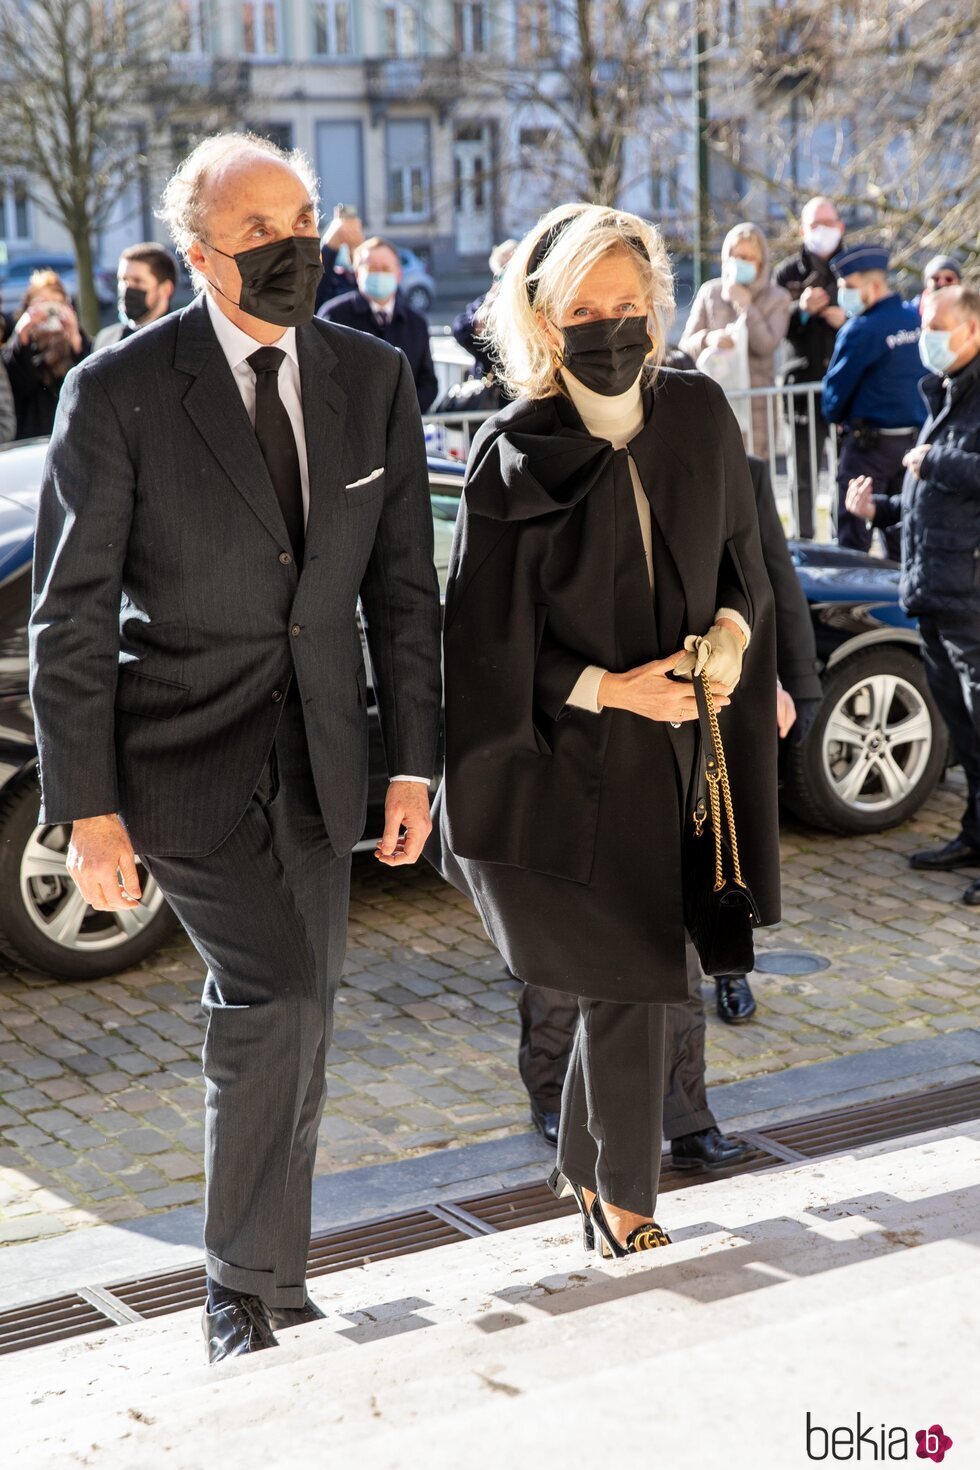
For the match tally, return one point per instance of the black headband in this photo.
(547, 242)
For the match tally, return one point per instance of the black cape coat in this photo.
(565, 827)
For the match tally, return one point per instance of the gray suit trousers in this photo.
(267, 912)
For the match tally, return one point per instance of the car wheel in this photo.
(875, 750)
(45, 923)
(418, 296)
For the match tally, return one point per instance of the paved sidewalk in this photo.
(100, 1088)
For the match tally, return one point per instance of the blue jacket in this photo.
(875, 368)
(407, 330)
(940, 511)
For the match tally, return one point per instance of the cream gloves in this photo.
(718, 654)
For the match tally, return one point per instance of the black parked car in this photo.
(874, 754)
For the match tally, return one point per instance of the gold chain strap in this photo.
(717, 776)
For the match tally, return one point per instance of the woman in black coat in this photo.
(607, 517)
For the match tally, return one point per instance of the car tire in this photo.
(43, 924)
(419, 298)
(855, 772)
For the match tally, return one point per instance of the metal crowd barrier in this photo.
(450, 435)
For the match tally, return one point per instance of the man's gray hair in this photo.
(183, 203)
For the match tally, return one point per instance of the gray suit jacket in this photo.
(168, 616)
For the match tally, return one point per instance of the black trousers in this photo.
(267, 912)
(883, 462)
(634, 1071)
(807, 469)
(951, 654)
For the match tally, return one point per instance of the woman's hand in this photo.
(718, 338)
(647, 691)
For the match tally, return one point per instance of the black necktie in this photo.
(277, 442)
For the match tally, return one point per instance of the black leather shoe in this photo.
(734, 999)
(707, 1149)
(236, 1325)
(282, 1317)
(956, 854)
(545, 1122)
(972, 894)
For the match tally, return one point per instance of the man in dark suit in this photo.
(146, 280)
(378, 307)
(220, 489)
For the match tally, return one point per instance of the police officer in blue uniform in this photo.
(871, 389)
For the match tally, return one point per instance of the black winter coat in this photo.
(563, 825)
(408, 330)
(796, 648)
(811, 341)
(940, 510)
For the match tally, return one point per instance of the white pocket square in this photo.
(356, 484)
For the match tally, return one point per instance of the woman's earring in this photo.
(558, 361)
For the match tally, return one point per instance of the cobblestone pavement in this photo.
(100, 1086)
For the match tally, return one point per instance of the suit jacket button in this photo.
(296, 630)
(276, 695)
(285, 558)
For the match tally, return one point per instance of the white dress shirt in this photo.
(238, 346)
(619, 418)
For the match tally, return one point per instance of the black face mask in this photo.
(279, 280)
(133, 305)
(607, 356)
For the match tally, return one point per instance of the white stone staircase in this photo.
(847, 1285)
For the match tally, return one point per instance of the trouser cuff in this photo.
(254, 1283)
(682, 1123)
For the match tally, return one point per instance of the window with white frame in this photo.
(470, 27)
(408, 169)
(400, 30)
(190, 34)
(533, 31)
(261, 28)
(15, 218)
(332, 34)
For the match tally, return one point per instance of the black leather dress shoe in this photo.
(972, 894)
(545, 1122)
(236, 1325)
(734, 999)
(956, 854)
(707, 1149)
(282, 1317)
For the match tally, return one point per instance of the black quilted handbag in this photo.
(719, 910)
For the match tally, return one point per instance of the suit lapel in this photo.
(324, 420)
(215, 406)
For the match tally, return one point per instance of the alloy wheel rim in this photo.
(877, 742)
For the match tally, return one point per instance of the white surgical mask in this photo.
(823, 240)
(935, 351)
(740, 272)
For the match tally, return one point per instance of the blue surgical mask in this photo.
(342, 263)
(849, 300)
(741, 272)
(935, 351)
(379, 285)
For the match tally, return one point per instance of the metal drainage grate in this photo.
(63, 1316)
(445, 1224)
(876, 1122)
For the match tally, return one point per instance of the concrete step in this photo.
(843, 1285)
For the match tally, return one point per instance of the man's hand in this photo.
(647, 691)
(913, 460)
(406, 806)
(834, 316)
(813, 300)
(344, 230)
(785, 712)
(102, 863)
(860, 497)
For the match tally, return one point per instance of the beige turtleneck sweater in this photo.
(619, 419)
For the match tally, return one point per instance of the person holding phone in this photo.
(46, 342)
(340, 239)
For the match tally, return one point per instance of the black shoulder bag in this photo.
(719, 910)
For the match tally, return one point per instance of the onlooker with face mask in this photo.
(469, 325)
(815, 319)
(939, 511)
(46, 342)
(378, 307)
(743, 291)
(871, 388)
(343, 234)
(942, 271)
(146, 279)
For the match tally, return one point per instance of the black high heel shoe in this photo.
(561, 1188)
(643, 1238)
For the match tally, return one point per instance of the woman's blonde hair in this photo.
(542, 280)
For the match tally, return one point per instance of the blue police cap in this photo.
(856, 258)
